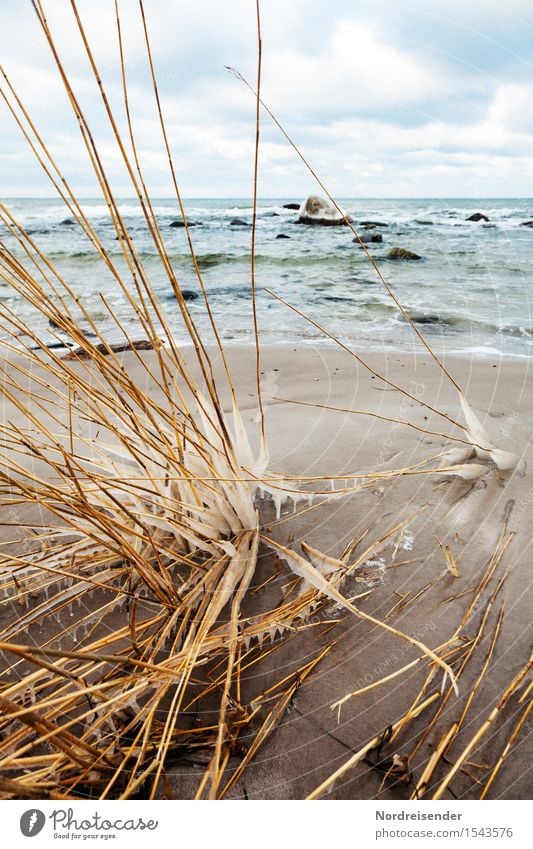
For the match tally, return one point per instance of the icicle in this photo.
(477, 434)
(29, 695)
(456, 456)
(468, 471)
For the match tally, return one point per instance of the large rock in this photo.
(402, 253)
(477, 216)
(291, 206)
(317, 210)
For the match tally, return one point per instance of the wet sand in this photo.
(313, 740)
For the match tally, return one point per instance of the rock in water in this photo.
(372, 224)
(477, 216)
(181, 223)
(282, 236)
(526, 224)
(402, 253)
(317, 210)
(238, 222)
(367, 238)
(291, 206)
(188, 295)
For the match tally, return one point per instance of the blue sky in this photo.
(422, 98)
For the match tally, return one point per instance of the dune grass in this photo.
(147, 502)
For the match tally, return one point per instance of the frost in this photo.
(407, 541)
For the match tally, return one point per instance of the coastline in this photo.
(468, 290)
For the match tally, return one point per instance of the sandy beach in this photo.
(411, 584)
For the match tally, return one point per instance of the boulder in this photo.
(282, 236)
(291, 206)
(368, 238)
(239, 222)
(68, 222)
(477, 216)
(181, 223)
(317, 210)
(188, 295)
(425, 319)
(402, 253)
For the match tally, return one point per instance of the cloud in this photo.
(423, 97)
(512, 108)
(352, 69)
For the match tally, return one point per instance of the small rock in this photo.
(423, 223)
(526, 224)
(188, 295)
(477, 216)
(68, 222)
(181, 223)
(291, 206)
(239, 222)
(317, 210)
(282, 236)
(368, 238)
(373, 224)
(402, 253)
(425, 319)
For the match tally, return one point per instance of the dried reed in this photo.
(145, 505)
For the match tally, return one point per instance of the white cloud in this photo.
(352, 69)
(374, 109)
(512, 108)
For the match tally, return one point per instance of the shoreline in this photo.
(476, 353)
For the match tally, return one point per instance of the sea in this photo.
(470, 291)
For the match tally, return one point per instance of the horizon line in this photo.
(6, 198)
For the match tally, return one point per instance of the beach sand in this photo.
(312, 740)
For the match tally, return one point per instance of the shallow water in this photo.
(470, 291)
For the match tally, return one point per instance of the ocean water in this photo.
(472, 289)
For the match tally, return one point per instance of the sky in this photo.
(423, 98)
